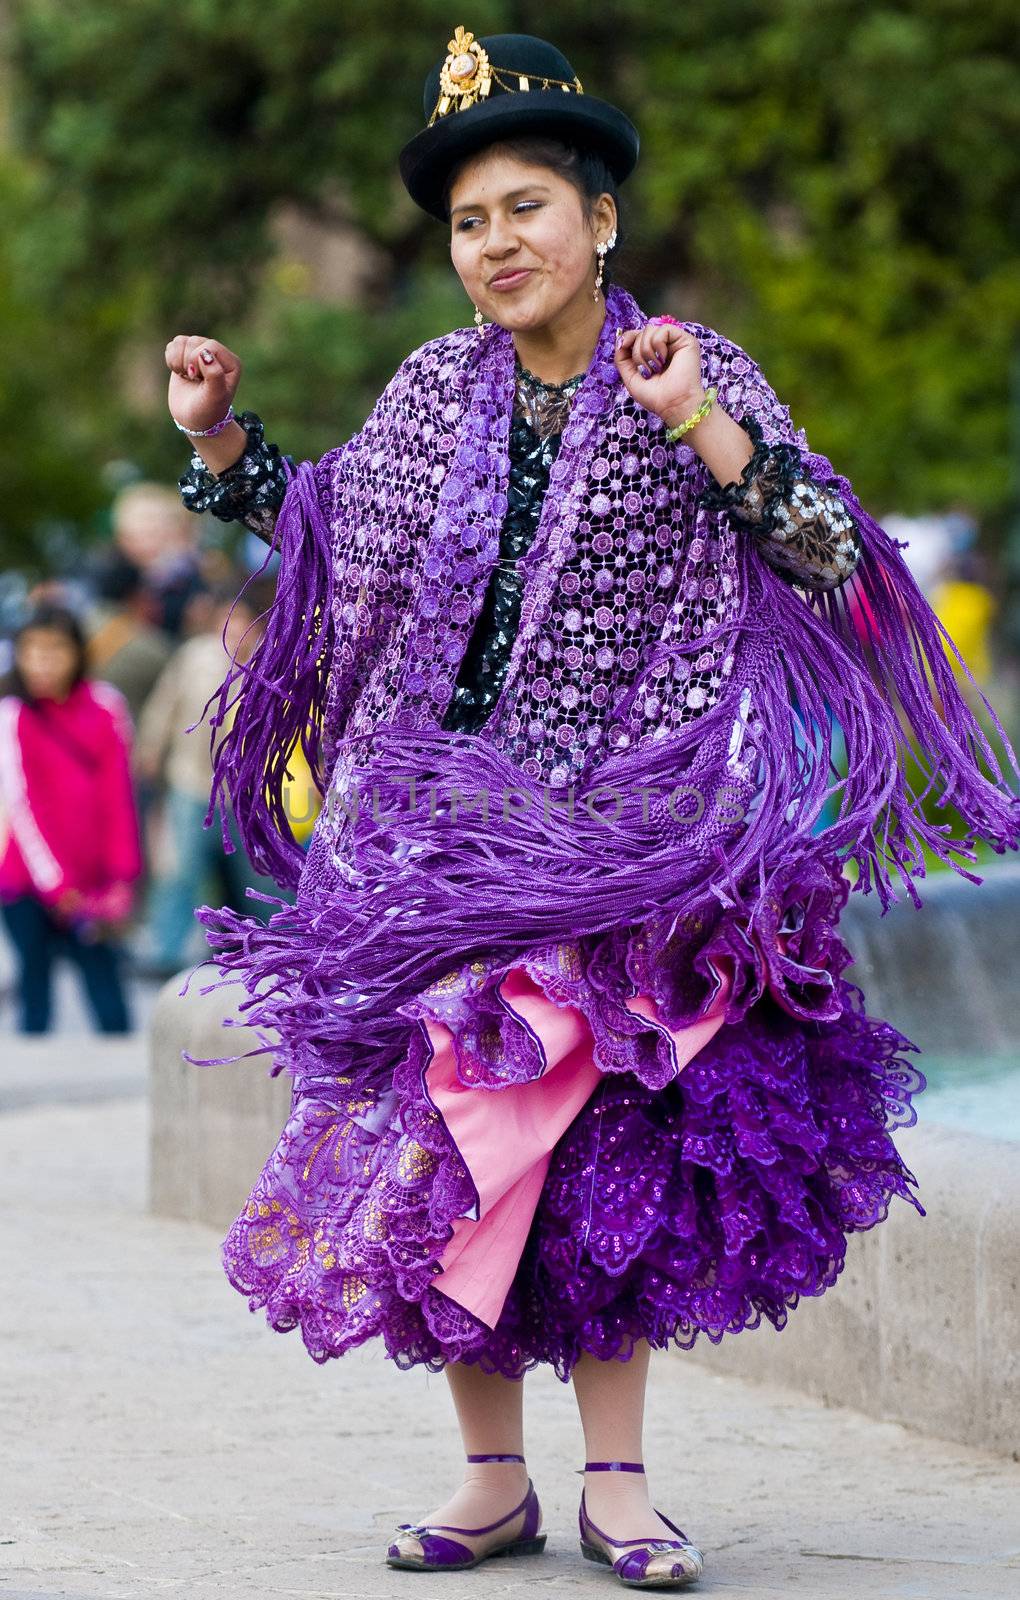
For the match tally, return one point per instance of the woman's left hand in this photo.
(671, 357)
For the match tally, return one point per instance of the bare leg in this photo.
(490, 1412)
(611, 1401)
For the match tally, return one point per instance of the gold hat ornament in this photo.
(467, 75)
(503, 86)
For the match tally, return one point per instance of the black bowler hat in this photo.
(500, 87)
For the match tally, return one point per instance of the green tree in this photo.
(50, 405)
(832, 185)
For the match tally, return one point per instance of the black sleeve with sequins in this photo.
(804, 530)
(250, 491)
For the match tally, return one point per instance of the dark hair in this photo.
(59, 620)
(584, 168)
(115, 577)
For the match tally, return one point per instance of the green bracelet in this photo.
(673, 434)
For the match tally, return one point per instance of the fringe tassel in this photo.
(432, 885)
(435, 883)
(430, 888)
(276, 699)
(912, 711)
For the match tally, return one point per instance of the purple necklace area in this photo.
(464, 544)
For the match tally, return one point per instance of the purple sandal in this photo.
(654, 1563)
(439, 1554)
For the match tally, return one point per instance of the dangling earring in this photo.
(600, 251)
(479, 323)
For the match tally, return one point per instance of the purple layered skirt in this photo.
(698, 1207)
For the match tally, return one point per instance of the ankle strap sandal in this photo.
(424, 1547)
(639, 1563)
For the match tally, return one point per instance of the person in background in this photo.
(125, 647)
(965, 605)
(152, 529)
(128, 649)
(187, 853)
(70, 851)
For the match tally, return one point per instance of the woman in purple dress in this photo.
(569, 1084)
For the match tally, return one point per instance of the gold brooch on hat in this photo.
(467, 76)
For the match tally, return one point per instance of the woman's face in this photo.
(150, 528)
(509, 215)
(47, 660)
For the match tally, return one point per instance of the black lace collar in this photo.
(544, 406)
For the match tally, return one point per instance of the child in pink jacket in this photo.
(72, 852)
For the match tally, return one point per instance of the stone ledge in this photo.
(945, 975)
(212, 1128)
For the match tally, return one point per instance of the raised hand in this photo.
(660, 364)
(204, 376)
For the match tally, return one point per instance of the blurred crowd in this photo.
(105, 762)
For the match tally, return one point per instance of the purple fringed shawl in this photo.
(656, 649)
(278, 699)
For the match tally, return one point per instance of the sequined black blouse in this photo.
(536, 429)
(803, 528)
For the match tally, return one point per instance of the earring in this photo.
(479, 323)
(601, 251)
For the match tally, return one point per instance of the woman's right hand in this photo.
(204, 376)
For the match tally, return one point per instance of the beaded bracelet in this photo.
(673, 434)
(206, 433)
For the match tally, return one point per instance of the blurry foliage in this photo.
(832, 185)
(55, 421)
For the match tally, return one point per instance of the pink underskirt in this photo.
(506, 1136)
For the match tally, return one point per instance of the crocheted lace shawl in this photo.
(645, 795)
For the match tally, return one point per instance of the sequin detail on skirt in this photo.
(700, 1208)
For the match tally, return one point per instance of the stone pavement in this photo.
(159, 1439)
